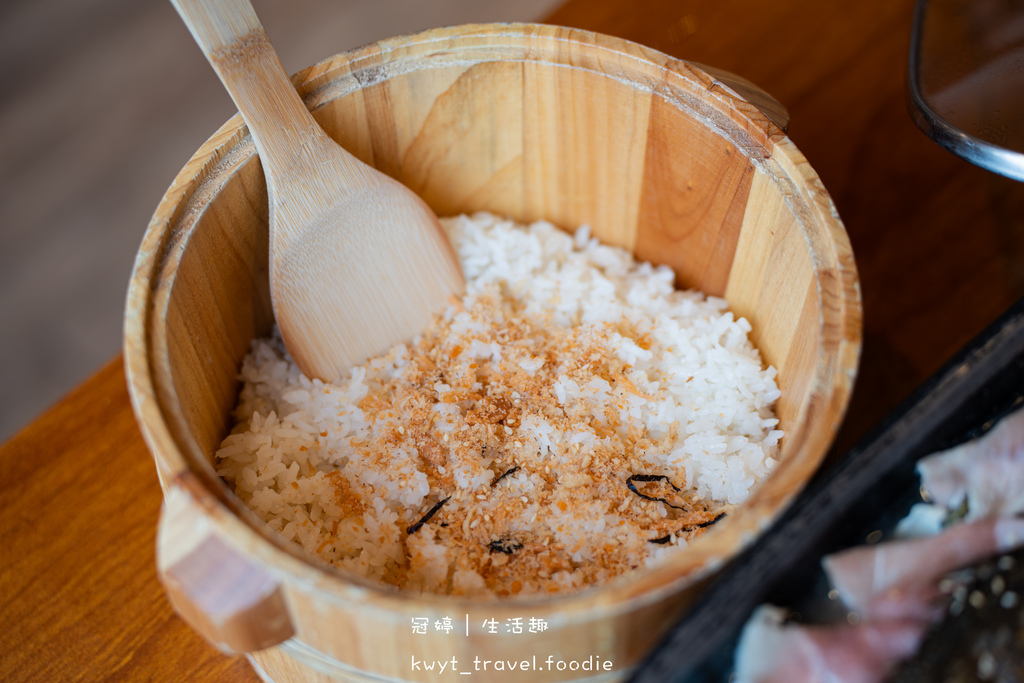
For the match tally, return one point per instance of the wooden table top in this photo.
(939, 246)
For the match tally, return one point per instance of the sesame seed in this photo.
(998, 585)
(1008, 600)
(977, 599)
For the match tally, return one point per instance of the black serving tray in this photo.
(866, 493)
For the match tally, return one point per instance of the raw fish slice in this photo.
(900, 578)
(988, 472)
(772, 652)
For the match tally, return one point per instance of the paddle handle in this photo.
(233, 40)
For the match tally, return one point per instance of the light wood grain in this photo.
(358, 263)
(535, 122)
(233, 603)
(79, 501)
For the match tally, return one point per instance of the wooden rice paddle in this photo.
(358, 262)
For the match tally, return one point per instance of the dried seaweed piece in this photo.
(426, 518)
(505, 474)
(505, 545)
(704, 525)
(652, 477)
(690, 527)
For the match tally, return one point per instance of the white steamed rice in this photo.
(593, 368)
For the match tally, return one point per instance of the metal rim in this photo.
(974, 150)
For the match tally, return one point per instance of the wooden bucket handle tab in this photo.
(236, 604)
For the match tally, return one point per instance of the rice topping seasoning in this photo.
(571, 418)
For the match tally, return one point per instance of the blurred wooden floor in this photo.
(101, 103)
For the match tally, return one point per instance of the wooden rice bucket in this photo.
(528, 121)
